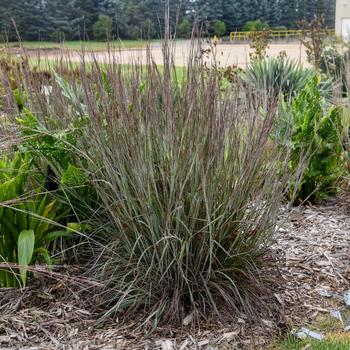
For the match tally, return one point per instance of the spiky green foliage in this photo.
(273, 76)
(334, 63)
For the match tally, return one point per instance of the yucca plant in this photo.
(334, 63)
(274, 76)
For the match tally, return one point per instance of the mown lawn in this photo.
(332, 343)
(333, 330)
(47, 64)
(78, 45)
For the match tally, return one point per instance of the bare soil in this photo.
(225, 54)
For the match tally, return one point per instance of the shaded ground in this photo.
(315, 272)
(226, 54)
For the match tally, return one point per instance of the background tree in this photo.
(135, 19)
(102, 29)
(60, 20)
(184, 29)
(84, 15)
(219, 27)
(256, 25)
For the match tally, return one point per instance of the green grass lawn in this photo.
(49, 64)
(333, 343)
(333, 330)
(78, 45)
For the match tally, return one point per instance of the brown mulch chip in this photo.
(315, 241)
(314, 249)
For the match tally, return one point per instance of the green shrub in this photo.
(102, 29)
(184, 29)
(53, 151)
(256, 25)
(317, 135)
(31, 217)
(219, 28)
(28, 220)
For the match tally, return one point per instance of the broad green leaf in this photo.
(49, 214)
(26, 241)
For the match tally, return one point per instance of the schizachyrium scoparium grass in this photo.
(187, 184)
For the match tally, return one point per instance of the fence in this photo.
(275, 34)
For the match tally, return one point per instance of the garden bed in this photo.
(313, 242)
(316, 242)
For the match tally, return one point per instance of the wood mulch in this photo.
(314, 249)
(315, 241)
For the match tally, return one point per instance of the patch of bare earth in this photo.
(314, 248)
(225, 54)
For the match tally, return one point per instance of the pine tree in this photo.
(84, 15)
(74, 19)
(233, 15)
(289, 13)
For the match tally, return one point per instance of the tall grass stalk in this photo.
(189, 184)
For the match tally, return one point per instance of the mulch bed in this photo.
(314, 243)
(316, 272)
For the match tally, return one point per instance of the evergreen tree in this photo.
(74, 19)
(60, 23)
(289, 13)
(233, 15)
(84, 15)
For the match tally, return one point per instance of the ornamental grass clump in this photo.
(187, 187)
